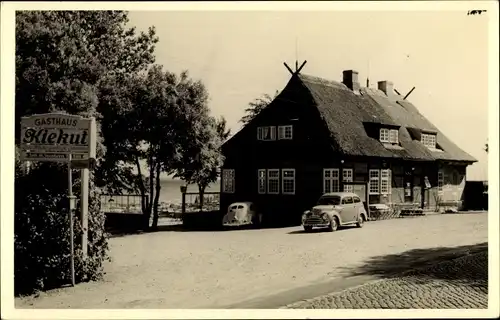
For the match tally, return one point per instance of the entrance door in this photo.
(408, 187)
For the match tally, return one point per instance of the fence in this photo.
(121, 203)
(131, 203)
(191, 201)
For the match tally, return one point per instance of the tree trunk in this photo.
(151, 190)
(157, 197)
(144, 200)
(201, 189)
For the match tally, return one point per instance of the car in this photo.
(242, 213)
(335, 209)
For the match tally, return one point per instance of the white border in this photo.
(7, 162)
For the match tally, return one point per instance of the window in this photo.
(266, 133)
(356, 199)
(385, 181)
(228, 180)
(330, 180)
(440, 181)
(347, 177)
(374, 182)
(347, 200)
(261, 176)
(389, 136)
(428, 140)
(384, 135)
(273, 181)
(288, 181)
(393, 136)
(329, 201)
(285, 132)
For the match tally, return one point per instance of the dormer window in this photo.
(428, 140)
(266, 133)
(389, 136)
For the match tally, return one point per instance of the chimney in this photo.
(387, 87)
(350, 79)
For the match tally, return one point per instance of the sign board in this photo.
(54, 136)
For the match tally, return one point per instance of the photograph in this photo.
(278, 158)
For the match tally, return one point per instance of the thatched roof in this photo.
(412, 122)
(348, 114)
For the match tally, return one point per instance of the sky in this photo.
(239, 56)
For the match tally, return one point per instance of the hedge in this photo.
(41, 228)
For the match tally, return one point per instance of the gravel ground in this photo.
(458, 284)
(176, 269)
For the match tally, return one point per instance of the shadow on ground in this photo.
(321, 230)
(429, 263)
(180, 227)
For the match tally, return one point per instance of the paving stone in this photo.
(461, 283)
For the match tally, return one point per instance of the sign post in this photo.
(72, 200)
(60, 137)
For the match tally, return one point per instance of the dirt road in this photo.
(176, 269)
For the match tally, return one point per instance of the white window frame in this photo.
(261, 178)
(334, 176)
(228, 175)
(261, 133)
(385, 175)
(440, 183)
(394, 136)
(428, 140)
(283, 179)
(283, 133)
(374, 181)
(384, 135)
(348, 176)
(269, 179)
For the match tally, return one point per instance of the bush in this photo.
(41, 227)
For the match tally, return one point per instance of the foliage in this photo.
(256, 106)
(156, 114)
(202, 158)
(41, 228)
(62, 60)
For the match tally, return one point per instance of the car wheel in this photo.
(308, 228)
(360, 221)
(334, 225)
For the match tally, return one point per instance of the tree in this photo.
(222, 131)
(155, 115)
(202, 158)
(256, 106)
(62, 59)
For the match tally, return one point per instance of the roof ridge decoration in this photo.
(297, 68)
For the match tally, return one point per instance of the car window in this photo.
(347, 200)
(329, 201)
(233, 207)
(240, 207)
(356, 199)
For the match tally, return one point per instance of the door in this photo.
(347, 214)
(408, 187)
